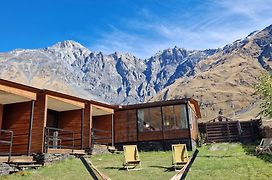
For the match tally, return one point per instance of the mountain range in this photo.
(222, 78)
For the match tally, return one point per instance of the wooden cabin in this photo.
(66, 123)
(152, 126)
(17, 104)
(42, 121)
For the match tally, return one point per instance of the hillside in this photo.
(118, 78)
(226, 79)
(217, 78)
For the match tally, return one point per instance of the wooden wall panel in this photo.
(194, 130)
(71, 120)
(150, 135)
(176, 134)
(103, 123)
(38, 124)
(1, 115)
(120, 129)
(52, 118)
(132, 125)
(125, 126)
(16, 117)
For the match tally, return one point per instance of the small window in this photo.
(149, 119)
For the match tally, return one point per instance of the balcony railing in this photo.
(6, 138)
(56, 138)
(100, 136)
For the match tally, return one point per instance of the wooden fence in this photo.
(231, 131)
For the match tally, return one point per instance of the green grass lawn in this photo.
(215, 161)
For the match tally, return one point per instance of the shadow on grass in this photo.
(167, 169)
(250, 150)
(216, 156)
(118, 168)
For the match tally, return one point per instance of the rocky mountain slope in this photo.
(218, 78)
(118, 78)
(226, 79)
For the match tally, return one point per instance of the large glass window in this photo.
(174, 117)
(149, 119)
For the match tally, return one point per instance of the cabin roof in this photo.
(50, 92)
(115, 107)
(162, 103)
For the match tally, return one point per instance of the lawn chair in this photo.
(132, 159)
(179, 155)
(265, 146)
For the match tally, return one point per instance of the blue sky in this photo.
(140, 27)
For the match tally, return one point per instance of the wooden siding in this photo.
(125, 125)
(176, 134)
(38, 124)
(151, 135)
(1, 115)
(71, 120)
(194, 130)
(52, 118)
(103, 123)
(16, 117)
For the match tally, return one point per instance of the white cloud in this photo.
(225, 22)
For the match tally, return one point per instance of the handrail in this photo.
(101, 136)
(48, 137)
(100, 130)
(10, 142)
(57, 129)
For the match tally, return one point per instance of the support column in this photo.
(112, 129)
(30, 128)
(1, 114)
(189, 125)
(82, 129)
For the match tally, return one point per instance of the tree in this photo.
(264, 90)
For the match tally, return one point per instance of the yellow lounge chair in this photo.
(131, 157)
(179, 155)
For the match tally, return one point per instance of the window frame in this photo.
(140, 125)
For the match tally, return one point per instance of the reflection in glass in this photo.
(174, 117)
(149, 119)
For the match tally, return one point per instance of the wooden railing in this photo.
(6, 138)
(100, 136)
(58, 138)
(228, 131)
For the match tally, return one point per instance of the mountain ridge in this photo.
(226, 80)
(122, 78)
(119, 78)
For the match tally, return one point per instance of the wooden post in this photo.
(82, 128)
(207, 138)
(30, 127)
(112, 129)
(181, 174)
(228, 131)
(1, 114)
(189, 127)
(239, 130)
(162, 130)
